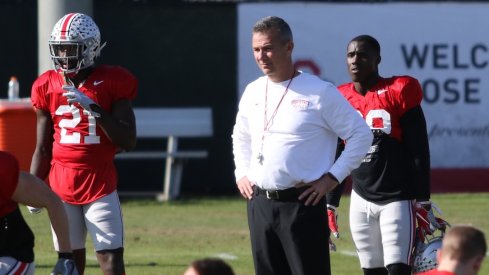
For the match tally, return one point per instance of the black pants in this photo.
(288, 237)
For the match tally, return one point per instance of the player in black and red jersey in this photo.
(16, 238)
(395, 174)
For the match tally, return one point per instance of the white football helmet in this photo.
(425, 255)
(74, 43)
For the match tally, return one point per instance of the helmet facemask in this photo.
(67, 56)
(425, 250)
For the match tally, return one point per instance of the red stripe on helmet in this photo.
(65, 26)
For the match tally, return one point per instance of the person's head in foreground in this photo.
(463, 250)
(209, 266)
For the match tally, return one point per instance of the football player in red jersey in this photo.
(84, 116)
(395, 173)
(16, 238)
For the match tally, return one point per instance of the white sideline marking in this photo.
(348, 253)
(226, 256)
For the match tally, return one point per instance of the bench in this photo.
(170, 124)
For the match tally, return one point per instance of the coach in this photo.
(284, 142)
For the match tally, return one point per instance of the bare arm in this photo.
(120, 125)
(33, 191)
(41, 159)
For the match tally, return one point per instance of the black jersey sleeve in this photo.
(415, 139)
(333, 197)
(16, 238)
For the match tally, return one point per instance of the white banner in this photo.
(444, 45)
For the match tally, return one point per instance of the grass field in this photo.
(163, 238)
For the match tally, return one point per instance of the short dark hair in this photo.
(212, 266)
(273, 22)
(372, 42)
(463, 242)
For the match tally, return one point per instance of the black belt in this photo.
(290, 194)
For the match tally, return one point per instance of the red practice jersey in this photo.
(9, 177)
(83, 168)
(383, 106)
